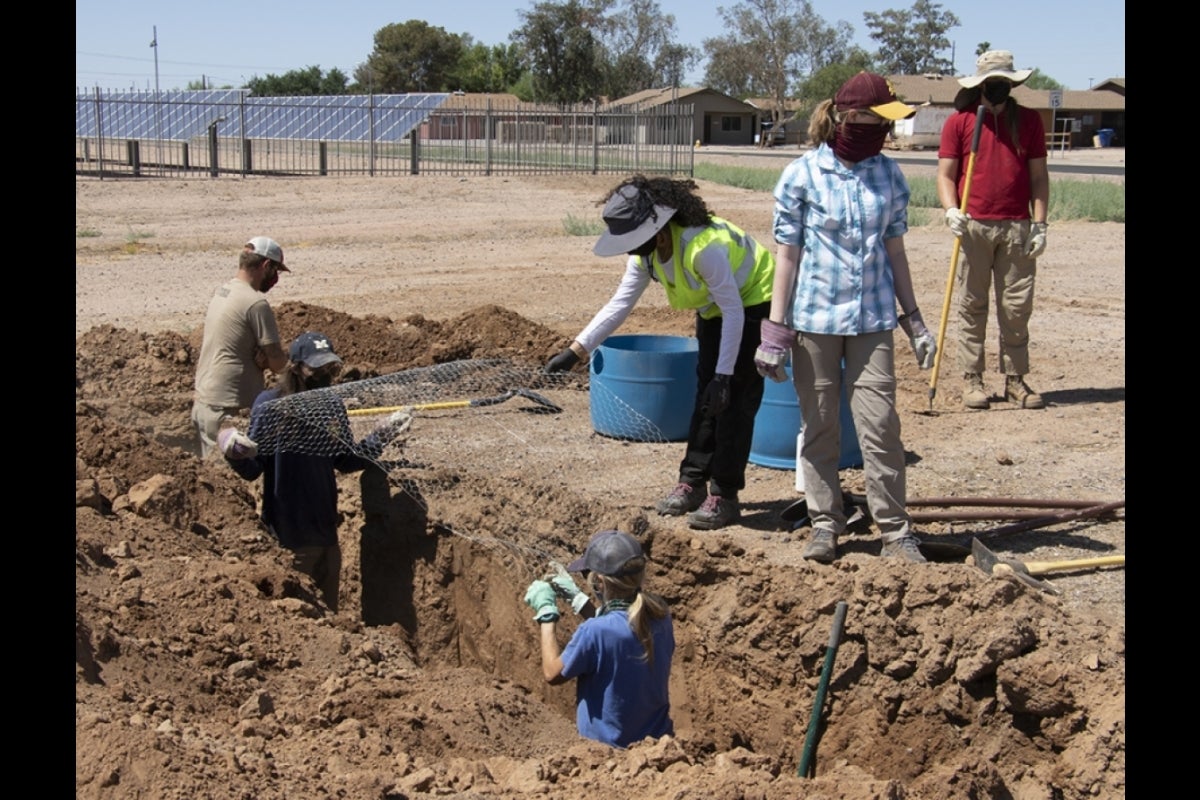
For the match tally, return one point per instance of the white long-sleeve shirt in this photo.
(713, 265)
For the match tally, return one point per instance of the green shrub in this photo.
(1091, 200)
(578, 226)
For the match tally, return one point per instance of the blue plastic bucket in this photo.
(643, 387)
(778, 423)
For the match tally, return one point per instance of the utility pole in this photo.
(154, 44)
(157, 101)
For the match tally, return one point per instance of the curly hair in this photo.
(690, 209)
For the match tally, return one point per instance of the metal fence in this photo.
(229, 133)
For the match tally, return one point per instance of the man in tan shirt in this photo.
(241, 339)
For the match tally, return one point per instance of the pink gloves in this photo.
(772, 355)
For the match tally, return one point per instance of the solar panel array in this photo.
(183, 115)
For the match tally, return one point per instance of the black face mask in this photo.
(997, 92)
(320, 380)
(646, 249)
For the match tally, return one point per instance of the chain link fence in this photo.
(228, 133)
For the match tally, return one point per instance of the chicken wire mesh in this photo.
(434, 417)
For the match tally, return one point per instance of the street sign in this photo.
(1056, 98)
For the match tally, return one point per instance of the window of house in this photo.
(731, 123)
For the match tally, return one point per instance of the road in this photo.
(1108, 162)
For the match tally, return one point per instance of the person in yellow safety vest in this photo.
(710, 265)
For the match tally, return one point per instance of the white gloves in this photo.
(1035, 245)
(923, 344)
(956, 221)
(236, 445)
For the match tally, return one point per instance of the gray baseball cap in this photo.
(632, 218)
(609, 553)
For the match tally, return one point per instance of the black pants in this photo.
(718, 448)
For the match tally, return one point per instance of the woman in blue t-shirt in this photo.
(621, 656)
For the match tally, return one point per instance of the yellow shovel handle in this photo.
(362, 412)
(1042, 567)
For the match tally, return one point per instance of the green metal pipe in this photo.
(814, 722)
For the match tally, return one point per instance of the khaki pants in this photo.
(207, 420)
(871, 383)
(993, 258)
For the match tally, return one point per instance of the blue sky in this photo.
(1072, 41)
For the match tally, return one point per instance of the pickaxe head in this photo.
(997, 567)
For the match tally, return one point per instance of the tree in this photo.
(413, 56)
(825, 82)
(910, 40)
(203, 84)
(1040, 80)
(732, 68)
(640, 49)
(561, 49)
(299, 83)
(487, 69)
(772, 45)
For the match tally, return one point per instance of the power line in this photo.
(180, 63)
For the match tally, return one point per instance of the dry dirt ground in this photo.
(207, 668)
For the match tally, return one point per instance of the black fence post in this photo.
(134, 157)
(323, 157)
(213, 169)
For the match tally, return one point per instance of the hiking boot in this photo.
(716, 512)
(822, 546)
(1016, 390)
(975, 395)
(682, 499)
(906, 547)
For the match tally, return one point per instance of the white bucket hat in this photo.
(995, 64)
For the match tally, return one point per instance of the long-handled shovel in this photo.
(543, 404)
(962, 206)
(1024, 571)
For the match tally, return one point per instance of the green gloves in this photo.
(566, 588)
(541, 598)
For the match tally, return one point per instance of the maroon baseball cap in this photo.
(868, 90)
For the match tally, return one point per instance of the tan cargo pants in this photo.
(993, 258)
(870, 381)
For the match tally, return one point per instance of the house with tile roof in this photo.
(1073, 123)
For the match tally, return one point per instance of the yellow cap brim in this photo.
(894, 110)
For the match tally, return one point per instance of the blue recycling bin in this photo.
(1106, 136)
(778, 422)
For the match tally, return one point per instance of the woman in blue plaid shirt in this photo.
(841, 212)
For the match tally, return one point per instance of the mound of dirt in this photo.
(207, 668)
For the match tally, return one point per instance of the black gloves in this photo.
(716, 396)
(563, 361)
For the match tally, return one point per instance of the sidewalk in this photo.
(1082, 156)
